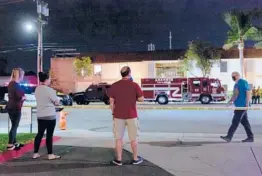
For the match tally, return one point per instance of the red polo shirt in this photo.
(125, 94)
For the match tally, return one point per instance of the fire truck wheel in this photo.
(162, 99)
(205, 99)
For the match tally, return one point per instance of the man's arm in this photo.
(235, 95)
(139, 94)
(111, 94)
(140, 99)
(112, 105)
(248, 99)
(248, 94)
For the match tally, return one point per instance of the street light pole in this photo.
(39, 46)
(42, 9)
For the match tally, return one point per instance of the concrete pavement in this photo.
(89, 156)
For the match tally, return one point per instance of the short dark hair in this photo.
(43, 76)
(125, 71)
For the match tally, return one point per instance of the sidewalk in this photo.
(89, 156)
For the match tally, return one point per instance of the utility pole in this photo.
(170, 40)
(42, 10)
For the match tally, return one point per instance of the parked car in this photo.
(65, 100)
(30, 100)
(2, 106)
(94, 93)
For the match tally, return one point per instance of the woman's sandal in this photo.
(54, 157)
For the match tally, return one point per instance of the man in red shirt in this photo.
(123, 97)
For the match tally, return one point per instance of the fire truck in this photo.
(164, 90)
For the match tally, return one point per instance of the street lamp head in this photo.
(29, 27)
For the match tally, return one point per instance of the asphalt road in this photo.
(162, 121)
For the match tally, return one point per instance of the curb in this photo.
(10, 155)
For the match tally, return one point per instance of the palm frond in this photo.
(253, 34)
(232, 21)
(232, 36)
(229, 46)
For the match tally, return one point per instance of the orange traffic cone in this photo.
(62, 122)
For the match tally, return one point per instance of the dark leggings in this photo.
(15, 116)
(49, 126)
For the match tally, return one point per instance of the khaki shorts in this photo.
(120, 125)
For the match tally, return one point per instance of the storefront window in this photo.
(169, 70)
(97, 69)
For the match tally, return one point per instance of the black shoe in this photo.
(248, 140)
(116, 162)
(18, 145)
(138, 161)
(226, 138)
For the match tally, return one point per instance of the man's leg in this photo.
(235, 122)
(133, 133)
(253, 99)
(119, 131)
(246, 124)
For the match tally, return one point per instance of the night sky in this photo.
(113, 25)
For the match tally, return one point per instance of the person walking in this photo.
(241, 99)
(16, 97)
(254, 95)
(46, 100)
(258, 95)
(123, 97)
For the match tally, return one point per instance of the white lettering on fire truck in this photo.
(163, 80)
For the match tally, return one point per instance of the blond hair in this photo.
(17, 74)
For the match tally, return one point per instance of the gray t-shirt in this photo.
(45, 102)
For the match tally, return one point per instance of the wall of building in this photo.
(63, 74)
(110, 72)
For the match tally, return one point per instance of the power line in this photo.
(11, 2)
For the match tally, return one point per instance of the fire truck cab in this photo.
(164, 90)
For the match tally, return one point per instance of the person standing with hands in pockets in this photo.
(123, 97)
(16, 98)
(241, 99)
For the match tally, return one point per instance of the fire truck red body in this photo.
(164, 90)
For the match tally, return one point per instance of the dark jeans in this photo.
(258, 99)
(49, 126)
(15, 117)
(240, 116)
(254, 99)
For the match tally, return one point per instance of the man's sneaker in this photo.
(138, 161)
(227, 139)
(116, 162)
(248, 140)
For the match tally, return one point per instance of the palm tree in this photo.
(241, 30)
